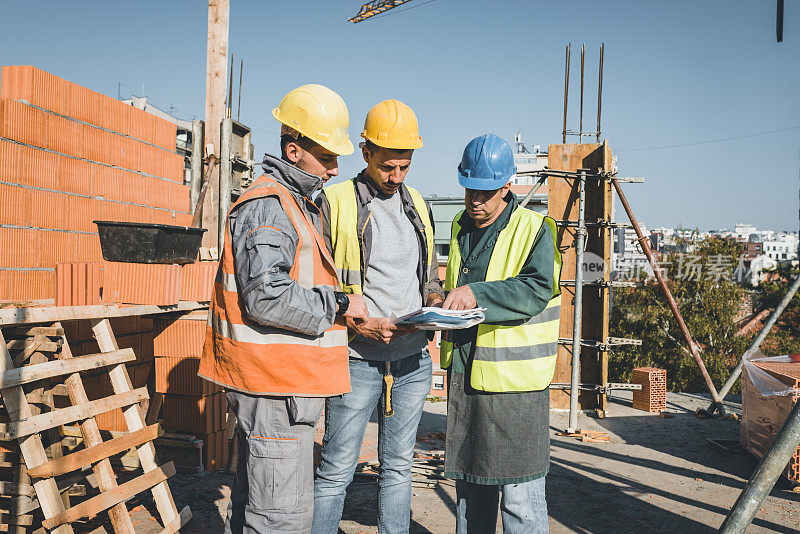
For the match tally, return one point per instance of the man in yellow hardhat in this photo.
(276, 339)
(381, 236)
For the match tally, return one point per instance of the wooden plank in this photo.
(154, 408)
(49, 331)
(94, 454)
(31, 446)
(118, 495)
(63, 416)
(11, 519)
(23, 356)
(121, 382)
(39, 343)
(32, 373)
(9, 488)
(90, 432)
(51, 314)
(179, 522)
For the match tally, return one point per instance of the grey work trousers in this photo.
(274, 486)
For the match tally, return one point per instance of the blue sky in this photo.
(676, 73)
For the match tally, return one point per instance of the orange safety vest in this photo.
(243, 355)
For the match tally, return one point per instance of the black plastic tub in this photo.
(132, 242)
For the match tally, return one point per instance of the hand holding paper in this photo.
(434, 318)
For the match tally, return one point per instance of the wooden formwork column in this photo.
(216, 87)
(562, 205)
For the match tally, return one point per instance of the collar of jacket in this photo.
(365, 192)
(468, 225)
(297, 181)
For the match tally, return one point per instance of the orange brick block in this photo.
(9, 162)
(77, 284)
(215, 450)
(653, 395)
(23, 123)
(54, 248)
(173, 167)
(15, 202)
(38, 168)
(19, 247)
(139, 283)
(197, 280)
(182, 337)
(178, 376)
(193, 414)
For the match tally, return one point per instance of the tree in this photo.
(708, 298)
(784, 337)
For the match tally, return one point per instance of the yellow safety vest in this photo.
(518, 357)
(347, 253)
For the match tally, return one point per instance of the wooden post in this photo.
(216, 71)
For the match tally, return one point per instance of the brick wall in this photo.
(69, 156)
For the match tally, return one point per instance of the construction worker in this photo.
(273, 340)
(503, 258)
(381, 237)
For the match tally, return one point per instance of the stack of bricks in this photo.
(653, 395)
(79, 284)
(191, 405)
(69, 156)
(131, 332)
(764, 416)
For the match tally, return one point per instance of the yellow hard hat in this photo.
(319, 114)
(392, 124)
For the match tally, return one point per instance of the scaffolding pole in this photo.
(764, 477)
(580, 239)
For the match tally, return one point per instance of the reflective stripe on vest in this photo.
(246, 356)
(520, 357)
(345, 236)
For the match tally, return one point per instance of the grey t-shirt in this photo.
(391, 283)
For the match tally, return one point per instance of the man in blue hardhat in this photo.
(503, 257)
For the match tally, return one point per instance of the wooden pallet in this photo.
(31, 361)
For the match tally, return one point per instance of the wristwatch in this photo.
(342, 302)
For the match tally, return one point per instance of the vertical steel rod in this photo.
(758, 340)
(239, 106)
(580, 125)
(580, 239)
(198, 146)
(643, 242)
(600, 89)
(764, 477)
(230, 91)
(566, 92)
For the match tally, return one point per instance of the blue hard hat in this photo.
(487, 164)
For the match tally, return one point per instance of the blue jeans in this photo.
(523, 508)
(346, 419)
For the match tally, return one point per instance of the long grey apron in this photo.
(496, 438)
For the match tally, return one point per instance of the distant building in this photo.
(628, 254)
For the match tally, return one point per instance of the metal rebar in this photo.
(230, 94)
(764, 477)
(580, 239)
(758, 340)
(670, 299)
(566, 91)
(600, 89)
(580, 122)
(239, 106)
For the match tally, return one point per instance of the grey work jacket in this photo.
(428, 278)
(262, 265)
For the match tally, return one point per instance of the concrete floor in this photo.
(656, 475)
